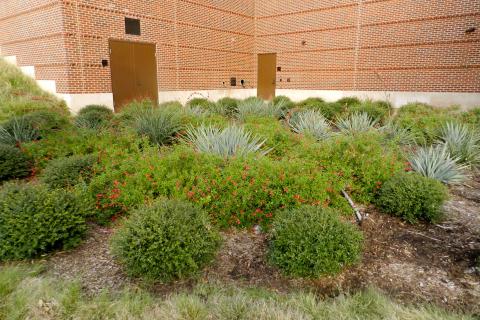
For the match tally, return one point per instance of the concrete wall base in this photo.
(396, 98)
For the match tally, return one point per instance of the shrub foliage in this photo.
(169, 240)
(14, 163)
(35, 220)
(413, 197)
(313, 241)
(66, 172)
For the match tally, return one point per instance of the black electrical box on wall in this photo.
(233, 82)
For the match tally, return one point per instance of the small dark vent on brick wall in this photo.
(132, 26)
(233, 82)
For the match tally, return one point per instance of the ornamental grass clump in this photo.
(168, 240)
(312, 241)
(259, 108)
(18, 130)
(413, 197)
(14, 164)
(436, 162)
(232, 141)
(35, 220)
(356, 123)
(462, 142)
(159, 125)
(310, 122)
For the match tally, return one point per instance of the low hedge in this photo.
(66, 172)
(413, 197)
(312, 241)
(169, 240)
(14, 164)
(35, 220)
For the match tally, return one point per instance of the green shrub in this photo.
(18, 130)
(14, 164)
(472, 117)
(228, 106)
(284, 101)
(258, 107)
(35, 220)
(413, 197)
(313, 241)
(159, 125)
(67, 172)
(363, 160)
(311, 103)
(45, 121)
(378, 110)
(97, 109)
(199, 102)
(424, 121)
(169, 240)
(349, 101)
(94, 117)
(238, 192)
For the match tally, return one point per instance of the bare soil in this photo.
(413, 263)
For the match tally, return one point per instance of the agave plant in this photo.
(258, 107)
(462, 142)
(436, 162)
(16, 130)
(195, 111)
(401, 135)
(356, 122)
(229, 142)
(159, 125)
(310, 122)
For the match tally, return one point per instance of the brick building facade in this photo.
(401, 50)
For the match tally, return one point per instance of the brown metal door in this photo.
(267, 75)
(133, 68)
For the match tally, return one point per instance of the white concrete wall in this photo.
(396, 98)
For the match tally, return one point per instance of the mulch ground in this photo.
(415, 264)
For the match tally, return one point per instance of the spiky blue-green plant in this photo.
(260, 108)
(355, 123)
(16, 130)
(159, 125)
(436, 162)
(310, 122)
(229, 142)
(462, 142)
(400, 135)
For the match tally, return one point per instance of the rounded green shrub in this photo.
(228, 106)
(349, 101)
(94, 117)
(312, 241)
(285, 101)
(413, 197)
(97, 109)
(35, 220)
(169, 240)
(46, 121)
(66, 172)
(14, 163)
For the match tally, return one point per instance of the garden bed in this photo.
(416, 264)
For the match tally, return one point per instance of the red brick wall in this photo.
(200, 44)
(397, 45)
(33, 31)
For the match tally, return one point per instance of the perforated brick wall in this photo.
(378, 45)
